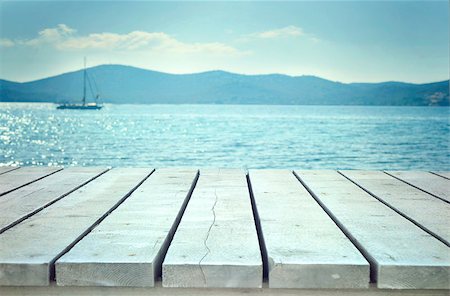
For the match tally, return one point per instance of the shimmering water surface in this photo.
(307, 137)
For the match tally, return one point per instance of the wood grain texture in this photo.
(428, 182)
(216, 244)
(5, 169)
(305, 247)
(423, 209)
(161, 291)
(443, 174)
(405, 260)
(127, 248)
(26, 201)
(23, 176)
(402, 256)
(29, 249)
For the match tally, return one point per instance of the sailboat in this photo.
(83, 106)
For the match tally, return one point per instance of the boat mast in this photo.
(84, 83)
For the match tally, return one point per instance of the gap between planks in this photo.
(86, 232)
(23, 216)
(383, 233)
(344, 230)
(12, 187)
(259, 232)
(427, 188)
(399, 211)
(4, 170)
(122, 251)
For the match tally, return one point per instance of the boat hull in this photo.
(79, 107)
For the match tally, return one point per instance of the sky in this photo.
(357, 41)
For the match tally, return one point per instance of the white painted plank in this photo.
(25, 201)
(5, 169)
(127, 248)
(426, 181)
(443, 174)
(402, 255)
(426, 210)
(54, 290)
(29, 249)
(305, 248)
(216, 244)
(23, 176)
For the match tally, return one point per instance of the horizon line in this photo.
(228, 72)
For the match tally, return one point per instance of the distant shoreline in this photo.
(129, 85)
(218, 104)
(218, 71)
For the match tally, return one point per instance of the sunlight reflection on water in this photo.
(306, 137)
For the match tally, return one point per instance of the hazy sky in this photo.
(344, 41)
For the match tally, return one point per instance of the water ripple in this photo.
(305, 137)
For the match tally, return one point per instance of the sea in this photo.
(237, 136)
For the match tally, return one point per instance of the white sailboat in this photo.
(84, 105)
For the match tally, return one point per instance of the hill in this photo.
(125, 84)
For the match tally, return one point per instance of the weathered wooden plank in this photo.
(402, 255)
(23, 176)
(25, 201)
(54, 290)
(216, 244)
(430, 213)
(305, 248)
(29, 249)
(428, 182)
(127, 248)
(442, 174)
(6, 169)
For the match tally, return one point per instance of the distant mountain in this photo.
(124, 84)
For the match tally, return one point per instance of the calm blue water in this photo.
(306, 137)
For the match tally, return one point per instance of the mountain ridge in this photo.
(127, 84)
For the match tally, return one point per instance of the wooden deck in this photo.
(136, 231)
